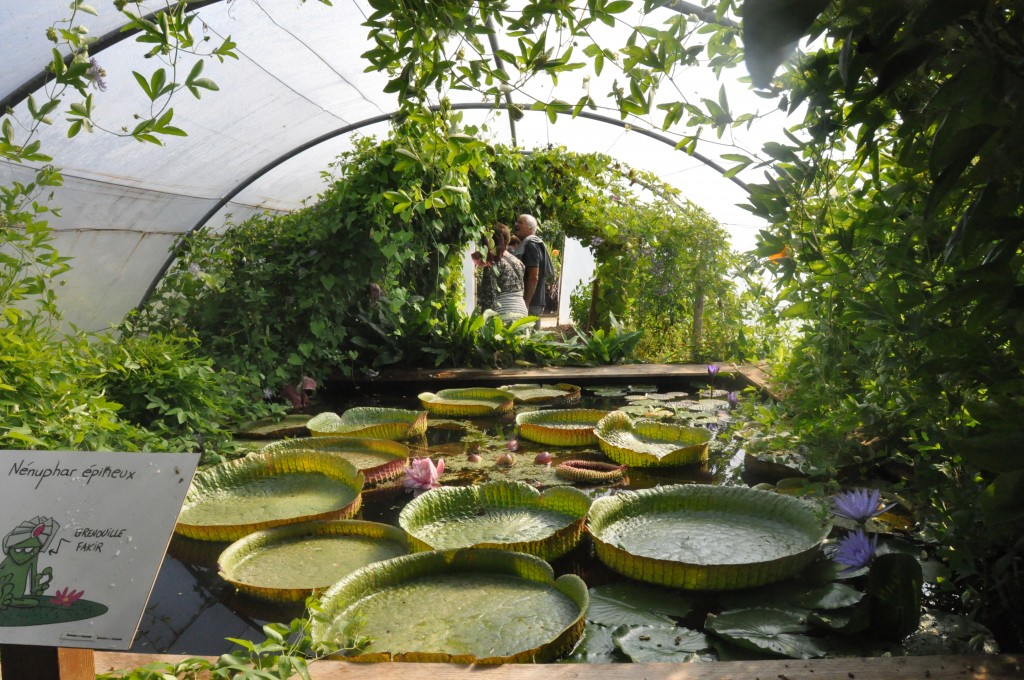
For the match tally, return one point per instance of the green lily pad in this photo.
(660, 644)
(498, 514)
(635, 604)
(289, 563)
(608, 391)
(699, 537)
(468, 402)
(596, 646)
(776, 631)
(378, 459)
(645, 443)
(561, 394)
(263, 490)
(455, 606)
(560, 427)
(292, 425)
(370, 422)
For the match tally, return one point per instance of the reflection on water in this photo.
(192, 610)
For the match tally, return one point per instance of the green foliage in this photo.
(609, 347)
(902, 216)
(680, 270)
(284, 654)
(167, 387)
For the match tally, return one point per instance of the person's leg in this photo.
(536, 310)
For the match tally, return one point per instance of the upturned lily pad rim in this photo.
(569, 393)
(394, 454)
(246, 546)
(445, 502)
(236, 473)
(697, 575)
(451, 402)
(691, 443)
(370, 422)
(375, 577)
(577, 426)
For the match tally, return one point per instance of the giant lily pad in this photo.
(702, 537)
(647, 443)
(370, 422)
(454, 606)
(499, 514)
(468, 401)
(560, 427)
(230, 500)
(288, 563)
(378, 459)
(291, 425)
(562, 394)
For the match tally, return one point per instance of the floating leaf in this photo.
(596, 646)
(635, 604)
(778, 631)
(659, 644)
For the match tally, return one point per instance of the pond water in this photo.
(192, 610)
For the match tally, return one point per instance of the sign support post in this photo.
(46, 663)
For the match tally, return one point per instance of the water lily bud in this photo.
(473, 458)
(512, 445)
(507, 459)
(543, 458)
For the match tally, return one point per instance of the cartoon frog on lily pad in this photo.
(21, 581)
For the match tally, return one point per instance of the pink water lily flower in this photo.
(66, 597)
(423, 474)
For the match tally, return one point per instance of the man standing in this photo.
(534, 255)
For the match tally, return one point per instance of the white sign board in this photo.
(83, 537)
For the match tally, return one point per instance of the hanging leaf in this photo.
(771, 29)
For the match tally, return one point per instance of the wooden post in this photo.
(20, 662)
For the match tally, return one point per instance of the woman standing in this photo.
(501, 284)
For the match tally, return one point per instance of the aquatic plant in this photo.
(860, 505)
(855, 551)
(423, 474)
(543, 458)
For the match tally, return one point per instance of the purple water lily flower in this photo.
(860, 505)
(856, 550)
(423, 474)
(733, 399)
(712, 370)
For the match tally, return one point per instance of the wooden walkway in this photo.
(982, 667)
(733, 376)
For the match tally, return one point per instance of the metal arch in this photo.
(36, 82)
(243, 184)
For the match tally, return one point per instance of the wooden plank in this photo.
(982, 667)
(587, 375)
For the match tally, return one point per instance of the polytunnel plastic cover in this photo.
(258, 143)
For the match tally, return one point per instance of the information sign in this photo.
(83, 537)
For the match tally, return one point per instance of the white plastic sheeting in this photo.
(299, 77)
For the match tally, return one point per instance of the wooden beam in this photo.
(980, 667)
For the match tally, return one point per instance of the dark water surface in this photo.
(192, 610)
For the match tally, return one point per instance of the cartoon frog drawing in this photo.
(21, 581)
